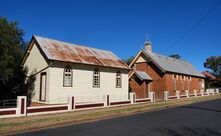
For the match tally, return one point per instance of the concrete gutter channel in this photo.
(171, 104)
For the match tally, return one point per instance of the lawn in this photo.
(13, 125)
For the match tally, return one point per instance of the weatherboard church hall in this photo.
(64, 69)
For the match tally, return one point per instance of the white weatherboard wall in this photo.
(35, 60)
(82, 84)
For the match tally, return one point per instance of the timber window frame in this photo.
(96, 78)
(118, 80)
(67, 76)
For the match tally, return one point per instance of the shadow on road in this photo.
(199, 108)
(186, 131)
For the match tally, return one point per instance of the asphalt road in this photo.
(201, 119)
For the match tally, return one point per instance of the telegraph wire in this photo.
(194, 26)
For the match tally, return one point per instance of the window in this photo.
(96, 78)
(118, 79)
(203, 84)
(200, 84)
(182, 83)
(188, 83)
(174, 85)
(174, 82)
(67, 76)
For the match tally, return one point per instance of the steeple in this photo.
(147, 45)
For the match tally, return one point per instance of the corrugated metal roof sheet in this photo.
(143, 75)
(208, 75)
(63, 51)
(173, 65)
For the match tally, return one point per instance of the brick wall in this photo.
(162, 82)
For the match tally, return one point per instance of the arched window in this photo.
(67, 79)
(118, 79)
(96, 78)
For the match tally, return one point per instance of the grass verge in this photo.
(13, 125)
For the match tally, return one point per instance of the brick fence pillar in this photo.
(178, 94)
(207, 91)
(21, 106)
(202, 92)
(187, 93)
(195, 93)
(152, 96)
(132, 98)
(166, 95)
(217, 91)
(213, 91)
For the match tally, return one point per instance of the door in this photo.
(148, 90)
(43, 86)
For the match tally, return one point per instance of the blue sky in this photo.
(121, 25)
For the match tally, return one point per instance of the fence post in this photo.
(207, 91)
(71, 103)
(166, 95)
(202, 92)
(21, 106)
(213, 91)
(217, 91)
(107, 100)
(187, 93)
(195, 93)
(132, 98)
(178, 94)
(152, 96)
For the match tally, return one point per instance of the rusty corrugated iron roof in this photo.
(208, 75)
(68, 52)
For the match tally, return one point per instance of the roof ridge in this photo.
(69, 52)
(170, 57)
(72, 44)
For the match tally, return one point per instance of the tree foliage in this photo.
(13, 79)
(11, 43)
(176, 56)
(214, 63)
(128, 60)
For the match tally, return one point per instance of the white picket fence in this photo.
(187, 94)
(72, 103)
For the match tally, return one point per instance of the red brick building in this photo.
(159, 73)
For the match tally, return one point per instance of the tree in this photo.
(214, 63)
(13, 79)
(128, 60)
(176, 56)
(11, 44)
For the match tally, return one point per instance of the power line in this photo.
(194, 26)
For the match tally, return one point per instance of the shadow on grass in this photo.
(199, 108)
(186, 131)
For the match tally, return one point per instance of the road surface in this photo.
(196, 119)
